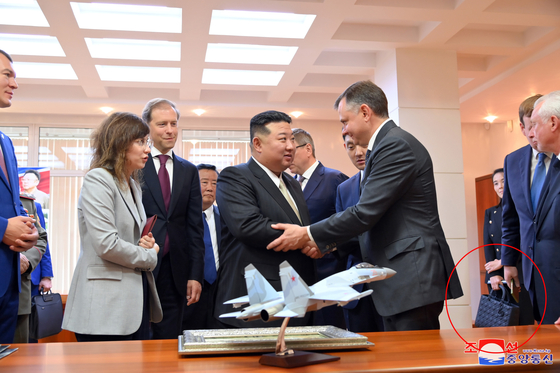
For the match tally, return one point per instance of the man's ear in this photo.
(365, 112)
(522, 127)
(257, 144)
(555, 123)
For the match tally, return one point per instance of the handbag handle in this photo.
(47, 295)
(504, 292)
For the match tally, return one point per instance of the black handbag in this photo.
(495, 311)
(46, 315)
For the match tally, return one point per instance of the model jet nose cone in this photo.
(390, 272)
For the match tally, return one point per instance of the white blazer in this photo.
(106, 292)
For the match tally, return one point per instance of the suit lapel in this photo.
(129, 202)
(218, 225)
(3, 177)
(525, 173)
(152, 181)
(273, 190)
(550, 191)
(314, 181)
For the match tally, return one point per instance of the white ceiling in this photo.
(507, 50)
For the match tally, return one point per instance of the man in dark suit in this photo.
(201, 315)
(545, 130)
(518, 212)
(397, 212)
(253, 196)
(16, 228)
(319, 185)
(171, 190)
(360, 315)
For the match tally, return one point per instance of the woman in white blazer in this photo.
(113, 294)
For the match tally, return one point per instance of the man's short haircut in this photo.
(497, 171)
(365, 92)
(258, 122)
(34, 172)
(303, 137)
(154, 104)
(207, 166)
(550, 105)
(7, 55)
(526, 107)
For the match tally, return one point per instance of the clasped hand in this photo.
(149, 242)
(21, 233)
(294, 237)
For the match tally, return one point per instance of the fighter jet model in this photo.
(296, 298)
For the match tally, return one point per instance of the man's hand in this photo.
(294, 237)
(557, 322)
(510, 272)
(312, 251)
(494, 265)
(193, 292)
(23, 263)
(495, 282)
(21, 234)
(45, 284)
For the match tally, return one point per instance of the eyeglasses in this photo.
(144, 143)
(302, 145)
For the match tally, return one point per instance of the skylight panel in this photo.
(139, 74)
(22, 13)
(39, 70)
(122, 17)
(260, 24)
(31, 45)
(128, 49)
(241, 77)
(249, 53)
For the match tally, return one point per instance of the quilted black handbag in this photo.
(495, 311)
(46, 315)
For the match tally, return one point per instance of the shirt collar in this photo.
(307, 174)
(271, 174)
(372, 140)
(209, 212)
(155, 152)
(536, 153)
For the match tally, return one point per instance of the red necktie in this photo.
(163, 177)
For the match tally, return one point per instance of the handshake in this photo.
(295, 237)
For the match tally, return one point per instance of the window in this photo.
(220, 148)
(20, 139)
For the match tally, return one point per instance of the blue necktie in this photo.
(209, 260)
(538, 181)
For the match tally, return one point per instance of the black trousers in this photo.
(172, 304)
(421, 318)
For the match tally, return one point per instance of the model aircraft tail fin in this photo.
(258, 287)
(296, 292)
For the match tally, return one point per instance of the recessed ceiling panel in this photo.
(346, 58)
(31, 45)
(134, 49)
(22, 13)
(377, 32)
(241, 77)
(250, 54)
(139, 74)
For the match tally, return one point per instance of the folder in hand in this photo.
(149, 225)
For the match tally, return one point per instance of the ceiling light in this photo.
(39, 70)
(22, 13)
(106, 109)
(296, 114)
(260, 24)
(199, 112)
(31, 45)
(491, 118)
(128, 49)
(241, 77)
(249, 53)
(121, 17)
(139, 74)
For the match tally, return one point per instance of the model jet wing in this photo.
(345, 294)
(238, 302)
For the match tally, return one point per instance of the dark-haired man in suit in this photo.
(200, 315)
(16, 228)
(252, 196)
(397, 214)
(171, 190)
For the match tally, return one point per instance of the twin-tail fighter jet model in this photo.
(296, 298)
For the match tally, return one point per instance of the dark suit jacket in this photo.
(547, 249)
(518, 229)
(183, 221)
(10, 206)
(320, 192)
(398, 213)
(493, 234)
(44, 268)
(250, 203)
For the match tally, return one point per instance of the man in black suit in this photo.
(201, 315)
(171, 190)
(253, 196)
(319, 185)
(397, 212)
